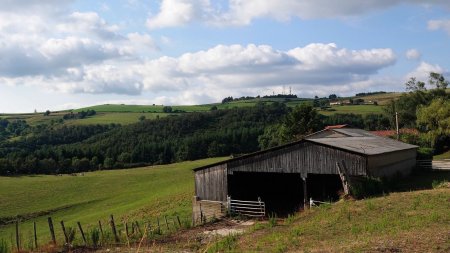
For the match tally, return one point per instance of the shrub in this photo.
(367, 187)
(424, 153)
(272, 220)
(3, 246)
(436, 184)
(71, 234)
(94, 236)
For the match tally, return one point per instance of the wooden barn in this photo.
(282, 179)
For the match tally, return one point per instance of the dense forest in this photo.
(58, 148)
(67, 149)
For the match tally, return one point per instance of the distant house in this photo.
(285, 177)
(335, 103)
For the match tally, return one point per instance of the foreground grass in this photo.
(409, 221)
(135, 194)
(442, 156)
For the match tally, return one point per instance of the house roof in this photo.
(348, 139)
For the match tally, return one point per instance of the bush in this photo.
(437, 184)
(367, 187)
(424, 154)
(3, 246)
(94, 236)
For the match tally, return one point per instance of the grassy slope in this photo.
(415, 219)
(356, 109)
(139, 193)
(442, 156)
(127, 114)
(409, 221)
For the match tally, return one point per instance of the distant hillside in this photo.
(127, 114)
(188, 136)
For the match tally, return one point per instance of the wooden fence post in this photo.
(82, 233)
(179, 222)
(159, 228)
(167, 224)
(65, 233)
(52, 230)
(101, 230)
(138, 229)
(35, 235)
(113, 227)
(126, 233)
(17, 235)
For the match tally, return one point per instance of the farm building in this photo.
(284, 178)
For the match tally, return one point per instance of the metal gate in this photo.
(247, 208)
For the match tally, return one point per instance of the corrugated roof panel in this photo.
(370, 145)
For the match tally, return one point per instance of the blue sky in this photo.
(61, 54)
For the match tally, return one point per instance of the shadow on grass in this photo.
(420, 180)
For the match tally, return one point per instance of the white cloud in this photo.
(207, 75)
(422, 71)
(178, 12)
(413, 54)
(243, 12)
(45, 45)
(442, 24)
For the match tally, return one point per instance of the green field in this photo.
(355, 109)
(127, 114)
(416, 218)
(137, 194)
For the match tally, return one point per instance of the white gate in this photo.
(247, 208)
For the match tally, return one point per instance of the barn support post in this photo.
(305, 193)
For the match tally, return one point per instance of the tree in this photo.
(46, 113)
(167, 109)
(332, 96)
(142, 118)
(227, 99)
(435, 121)
(413, 85)
(303, 120)
(213, 108)
(437, 80)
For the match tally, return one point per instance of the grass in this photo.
(356, 109)
(127, 114)
(445, 155)
(386, 223)
(113, 117)
(402, 221)
(132, 194)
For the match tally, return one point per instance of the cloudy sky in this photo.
(59, 54)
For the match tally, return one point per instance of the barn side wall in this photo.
(303, 158)
(205, 210)
(389, 164)
(211, 183)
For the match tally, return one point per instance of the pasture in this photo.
(135, 194)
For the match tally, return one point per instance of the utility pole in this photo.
(396, 124)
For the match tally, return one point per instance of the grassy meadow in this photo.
(416, 221)
(413, 218)
(135, 194)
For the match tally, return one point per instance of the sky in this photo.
(65, 54)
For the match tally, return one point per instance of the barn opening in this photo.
(324, 187)
(281, 192)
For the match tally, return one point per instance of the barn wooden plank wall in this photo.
(303, 158)
(211, 183)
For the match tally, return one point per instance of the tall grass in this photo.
(4, 247)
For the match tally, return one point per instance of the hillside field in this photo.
(128, 114)
(141, 193)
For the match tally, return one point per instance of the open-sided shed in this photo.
(285, 177)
